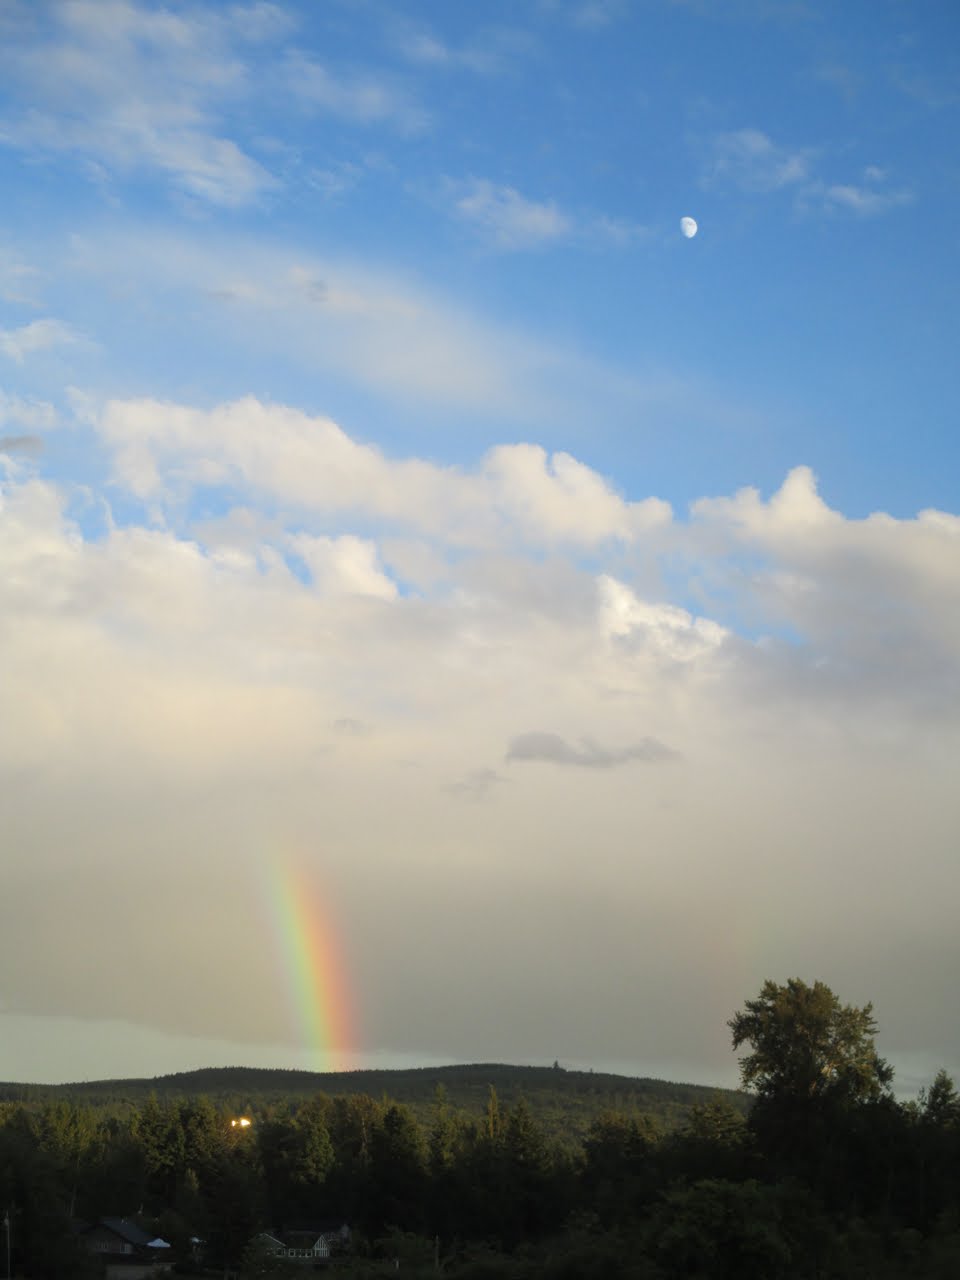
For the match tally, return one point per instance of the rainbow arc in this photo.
(313, 963)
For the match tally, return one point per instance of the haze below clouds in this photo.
(389, 494)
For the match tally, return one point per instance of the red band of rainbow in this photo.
(313, 961)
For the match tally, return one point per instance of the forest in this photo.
(815, 1171)
(564, 1102)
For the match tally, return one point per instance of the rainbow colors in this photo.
(313, 964)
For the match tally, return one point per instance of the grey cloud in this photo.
(819, 757)
(21, 444)
(350, 727)
(553, 749)
(476, 785)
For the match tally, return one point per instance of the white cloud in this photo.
(834, 582)
(425, 48)
(869, 196)
(560, 499)
(661, 629)
(598, 13)
(18, 281)
(510, 220)
(38, 335)
(38, 415)
(750, 159)
(518, 491)
(812, 573)
(864, 200)
(260, 21)
(346, 565)
(337, 179)
(618, 232)
(132, 88)
(362, 98)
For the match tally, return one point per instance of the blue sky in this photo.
(354, 370)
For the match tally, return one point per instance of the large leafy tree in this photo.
(820, 1084)
(805, 1045)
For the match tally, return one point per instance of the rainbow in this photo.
(312, 960)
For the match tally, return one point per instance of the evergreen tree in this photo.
(398, 1173)
(621, 1166)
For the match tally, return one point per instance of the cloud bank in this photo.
(746, 774)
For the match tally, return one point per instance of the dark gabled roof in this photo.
(126, 1229)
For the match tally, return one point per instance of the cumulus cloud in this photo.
(833, 581)
(553, 749)
(518, 491)
(659, 627)
(347, 565)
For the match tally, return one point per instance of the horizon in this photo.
(909, 1078)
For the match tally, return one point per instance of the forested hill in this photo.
(565, 1102)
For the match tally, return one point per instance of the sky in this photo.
(395, 503)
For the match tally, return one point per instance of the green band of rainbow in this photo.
(312, 960)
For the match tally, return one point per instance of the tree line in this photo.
(566, 1102)
(827, 1176)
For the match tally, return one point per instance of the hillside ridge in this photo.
(565, 1101)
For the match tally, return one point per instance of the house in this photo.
(305, 1244)
(125, 1248)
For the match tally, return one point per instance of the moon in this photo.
(689, 227)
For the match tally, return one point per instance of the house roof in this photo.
(126, 1229)
(268, 1237)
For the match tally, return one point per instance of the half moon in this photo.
(689, 227)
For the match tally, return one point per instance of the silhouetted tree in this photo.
(811, 1061)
